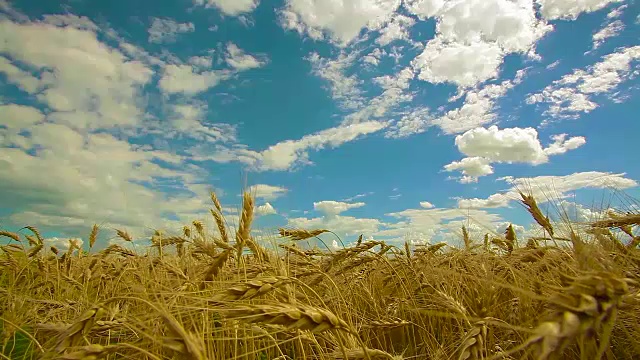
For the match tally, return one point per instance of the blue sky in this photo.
(397, 119)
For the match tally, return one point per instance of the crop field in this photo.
(209, 294)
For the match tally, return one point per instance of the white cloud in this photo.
(267, 192)
(62, 244)
(183, 79)
(341, 225)
(511, 25)
(396, 29)
(13, 13)
(512, 145)
(611, 30)
(78, 22)
(231, 7)
(344, 88)
(395, 92)
(425, 9)
(477, 110)
(373, 58)
(15, 117)
(415, 122)
(333, 208)
(358, 196)
(202, 62)
(553, 65)
(241, 61)
(341, 19)
(547, 188)
(23, 79)
(447, 221)
(469, 49)
(506, 145)
(472, 168)
(572, 94)
(561, 144)
(266, 209)
(167, 30)
(80, 73)
(493, 201)
(290, 153)
(285, 154)
(461, 64)
(578, 212)
(93, 104)
(617, 12)
(190, 120)
(332, 220)
(426, 205)
(570, 9)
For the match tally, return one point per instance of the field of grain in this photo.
(204, 295)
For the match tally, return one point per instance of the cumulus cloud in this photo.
(484, 146)
(342, 20)
(396, 29)
(240, 60)
(561, 144)
(547, 188)
(102, 84)
(62, 244)
(426, 205)
(266, 209)
(462, 64)
(570, 9)
(201, 62)
(90, 105)
(167, 30)
(425, 9)
(506, 145)
(231, 7)
(468, 50)
(472, 168)
(19, 116)
(572, 94)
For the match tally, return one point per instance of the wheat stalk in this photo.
(10, 235)
(301, 234)
(253, 288)
(292, 317)
(93, 236)
(534, 210)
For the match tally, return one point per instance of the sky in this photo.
(401, 120)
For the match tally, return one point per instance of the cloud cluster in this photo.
(290, 153)
(167, 30)
(230, 7)
(548, 188)
(484, 146)
(469, 49)
(341, 20)
(87, 109)
(571, 9)
(573, 93)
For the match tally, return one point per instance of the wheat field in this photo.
(205, 295)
